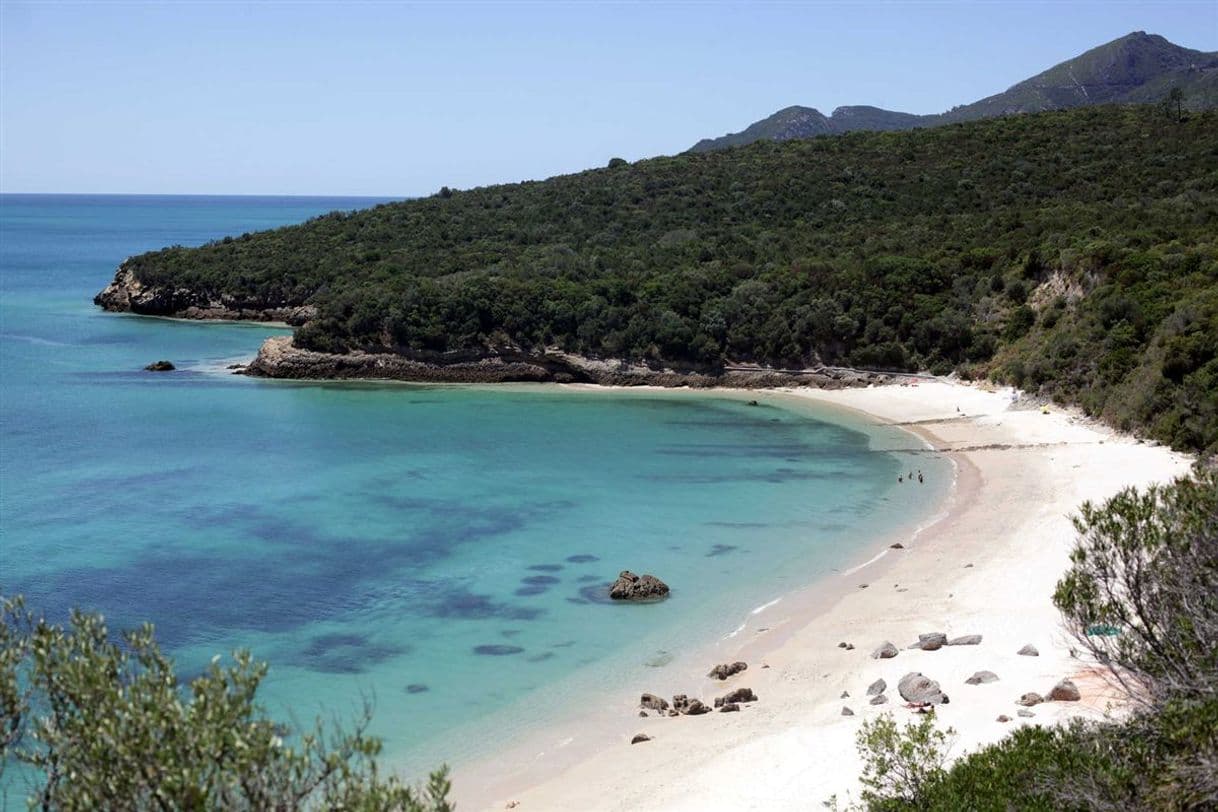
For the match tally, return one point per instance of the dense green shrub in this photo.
(100, 724)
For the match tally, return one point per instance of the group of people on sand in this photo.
(910, 475)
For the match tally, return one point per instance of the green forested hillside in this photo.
(1073, 253)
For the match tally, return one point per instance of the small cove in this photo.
(443, 551)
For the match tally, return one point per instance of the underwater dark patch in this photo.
(583, 558)
(497, 650)
(529, 591)
(596, 593)
(546, 567)
(721, 549)
(540, 580)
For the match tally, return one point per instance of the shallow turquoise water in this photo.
(442, 549)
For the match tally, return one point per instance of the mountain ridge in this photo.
(1137, 68)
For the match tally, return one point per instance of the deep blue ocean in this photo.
(443, 550)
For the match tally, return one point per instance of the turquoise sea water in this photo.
(444, 550)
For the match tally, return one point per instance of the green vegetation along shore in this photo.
(1071, 253)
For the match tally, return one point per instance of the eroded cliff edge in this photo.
(279, 358)
(126, 294)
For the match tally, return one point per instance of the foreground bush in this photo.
(101, 724)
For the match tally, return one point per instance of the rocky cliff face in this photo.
(280, 358)
(126, 294)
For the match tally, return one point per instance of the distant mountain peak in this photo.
(1137, 68)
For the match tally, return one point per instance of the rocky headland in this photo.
(127, 294)
(279, 357)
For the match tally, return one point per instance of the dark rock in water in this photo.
(416, 688)
(582, 558)
(1064, 691)
(235, 366)
(631, 587)
(982, 677)
(966, 640)
(846, 711)
(725, 670)
(897, 546)
(1029, 651)
(639, 738)
(877, 687)
(653, 702)
(160, 366)
(879, 700)
(497, 650)
(729, 707)
(884, 652)
(922, 690)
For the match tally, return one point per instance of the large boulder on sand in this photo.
(931, 642)
(876, 688)
(886, 651)
(685, 706)
(921, 690)
(1064, 691)
(965, 640)
(725, 670)
(631, 587)
(1028, 651)
(737, 696)
(653, 702)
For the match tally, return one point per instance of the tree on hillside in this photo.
(100, 724)
(1173, 105)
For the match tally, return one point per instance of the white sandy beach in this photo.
(1021, 474)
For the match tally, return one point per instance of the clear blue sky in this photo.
(399, 99)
